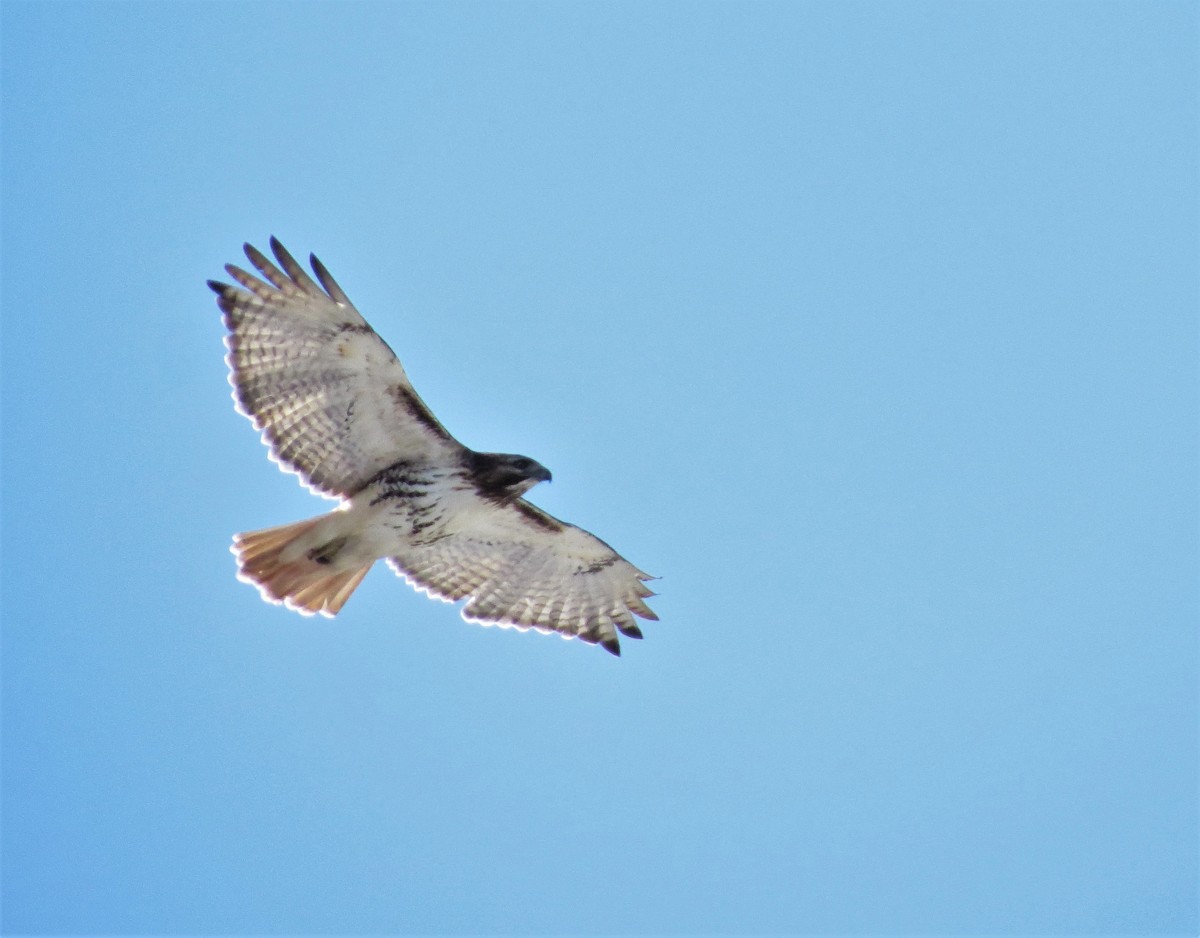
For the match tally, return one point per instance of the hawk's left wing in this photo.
(519, 567)
(331, 399)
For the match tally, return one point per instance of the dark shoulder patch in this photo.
(416, 409)
(602, 564)
(536, 517)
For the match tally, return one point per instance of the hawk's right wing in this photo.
(519, 567)
(331, 399)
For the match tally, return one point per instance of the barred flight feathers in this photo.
(545, 575)
(331, 399)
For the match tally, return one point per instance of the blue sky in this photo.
(870, 328)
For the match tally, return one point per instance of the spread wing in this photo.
(331, 399)
(519, 567)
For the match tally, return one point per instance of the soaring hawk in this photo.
(335, 406)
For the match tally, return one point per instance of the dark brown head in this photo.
(505, 476)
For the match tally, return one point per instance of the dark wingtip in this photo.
(331, 286)
(225, 295)
(631, 631)
(282, 254)
(611, 645)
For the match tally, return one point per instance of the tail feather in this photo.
(342, 592)
(277, 563)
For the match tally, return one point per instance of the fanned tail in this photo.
(284, 572)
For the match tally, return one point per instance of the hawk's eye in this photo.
(522, 464)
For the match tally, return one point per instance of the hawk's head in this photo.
(505, 476)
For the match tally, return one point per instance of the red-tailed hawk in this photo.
(335, 406)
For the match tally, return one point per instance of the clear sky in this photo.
(870, 328)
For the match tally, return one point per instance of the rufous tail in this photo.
(299, 582)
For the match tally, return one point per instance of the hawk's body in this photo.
(335, 406)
